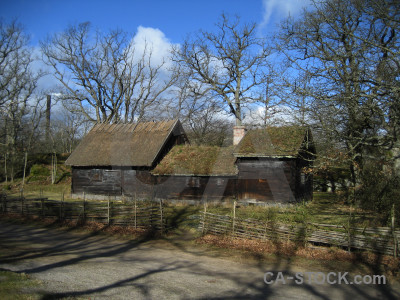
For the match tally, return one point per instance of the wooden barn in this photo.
(116, 159)
(154, 160)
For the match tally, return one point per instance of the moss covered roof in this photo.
(273, 141)
(198, 160)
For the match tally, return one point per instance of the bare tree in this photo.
(18, 83)
(103, 74)
(209, 126)
(272, 106)
(230, 62)
(68, 127)
(204, 119)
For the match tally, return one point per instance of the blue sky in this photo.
(158, 22)
(174, 18)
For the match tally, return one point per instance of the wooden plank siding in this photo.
(101, 181)
(267, 179)
(142, 184)
(259, 179)
(138, 183)
(211, 188)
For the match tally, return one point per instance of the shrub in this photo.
(380, 190)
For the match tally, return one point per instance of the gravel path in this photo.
(89, 265)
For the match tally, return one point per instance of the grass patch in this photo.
(18, 286)
(325, 208)
(35, 189)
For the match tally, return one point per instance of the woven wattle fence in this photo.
(382, 240)
(130, 213)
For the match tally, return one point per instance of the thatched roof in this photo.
(198, 160)
(284, 141)
(124, 144)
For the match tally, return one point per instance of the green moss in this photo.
(285, 140)
(197, 160)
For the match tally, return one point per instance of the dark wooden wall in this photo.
(258, 179)
(100, 181)
(196, 187)
(267, 179)
(141, 184)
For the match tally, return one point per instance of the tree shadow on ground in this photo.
(144, 267)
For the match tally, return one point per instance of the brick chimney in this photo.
(238, 134)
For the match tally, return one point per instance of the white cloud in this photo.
(279, 9)
(156, 42)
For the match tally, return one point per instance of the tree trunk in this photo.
(53, 168)
(48, 112)
(23, 177)
(396, 158)
(5, 167)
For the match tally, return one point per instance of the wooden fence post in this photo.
(3, 203)
(349, 231)
(234, 218)
(204, 217)
(394, 233)
(84, 204)
(108, 210)
(61, 205)
(161, 216)
(42, 206)
(60, 208)
(135, 211)
(22, 201)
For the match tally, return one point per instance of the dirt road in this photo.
(90, 265)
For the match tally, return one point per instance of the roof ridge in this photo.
(131, 126)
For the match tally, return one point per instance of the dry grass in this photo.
(128, 232)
